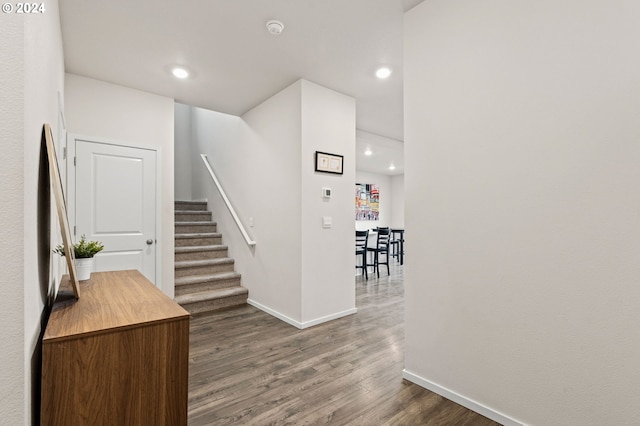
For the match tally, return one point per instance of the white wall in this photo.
(132, 117)
(386, 199)
(257, 159)
(522, 155)
(328, 125)
(264, 161)
(13, 245)
(182, 152)
(391, 200)
(397, 201)
(31, 69)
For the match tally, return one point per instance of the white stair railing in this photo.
(243, 231)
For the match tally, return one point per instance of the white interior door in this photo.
(115, 203)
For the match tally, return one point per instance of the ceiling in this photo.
(235, 63)
(383, 153)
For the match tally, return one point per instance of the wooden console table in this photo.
(118, 355)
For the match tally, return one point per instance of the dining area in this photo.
(378, 249)
(379, 225)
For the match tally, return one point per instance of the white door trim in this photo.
(70, 190)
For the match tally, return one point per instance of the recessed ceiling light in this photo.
(368, 152)
(179, 72)
(392, 167)
(383, 72)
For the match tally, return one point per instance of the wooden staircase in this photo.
(205, 279)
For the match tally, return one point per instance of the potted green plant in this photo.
(84, 251)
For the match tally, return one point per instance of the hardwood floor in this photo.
(249, 368)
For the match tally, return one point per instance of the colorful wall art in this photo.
(367, 201)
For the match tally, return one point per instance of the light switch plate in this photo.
(327, 221)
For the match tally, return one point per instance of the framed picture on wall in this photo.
(328, 163)
(367, 201)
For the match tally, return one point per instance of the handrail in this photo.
(248, 239)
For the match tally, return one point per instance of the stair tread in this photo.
(211, 295)
(196, 222)
(198, 235)
(202, 262)
(194, 279)
(190, 249)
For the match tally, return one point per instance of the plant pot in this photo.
(84, 267)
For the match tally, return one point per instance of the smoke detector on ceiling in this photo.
(275, 27)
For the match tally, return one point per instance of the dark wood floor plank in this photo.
(249, 368)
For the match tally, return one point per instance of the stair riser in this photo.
(206, 286)
(190, 206)
(184, 217)
(202, 255)
(204, 241)
(204, 270)
(216, 304)
(195, 229)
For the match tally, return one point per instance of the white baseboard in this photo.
(274, 313)
(331, 317)
(298, 324)
(462, 400)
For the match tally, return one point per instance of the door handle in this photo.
(149, 242)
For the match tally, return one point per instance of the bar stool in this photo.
(381, 248)
(362, 238)
(397, 244)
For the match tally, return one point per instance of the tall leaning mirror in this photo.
(61, 208)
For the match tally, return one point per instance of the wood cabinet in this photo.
(118, 355)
